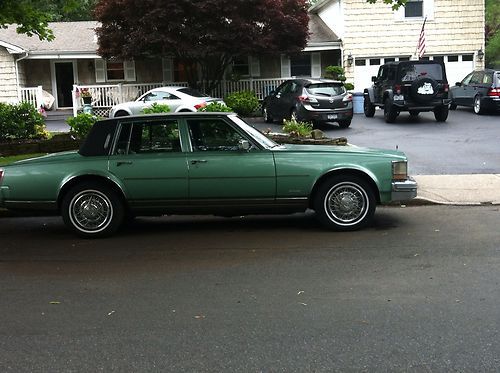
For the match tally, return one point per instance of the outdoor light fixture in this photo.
(350, 59)
(480, 54)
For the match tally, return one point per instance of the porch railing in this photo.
(33, 95)
(105, 96)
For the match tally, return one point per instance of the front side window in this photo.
(414, 8)
(159, 95)
(213, 135)
(148, 137)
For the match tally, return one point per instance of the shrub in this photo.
(156, 109)
(349, 86)
(244, 103)
(81, 124)
(296, 128)
(335, 72)
(216, 107)
(21, 121)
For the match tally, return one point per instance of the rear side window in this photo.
(325, 89)
(192, 92)
(496, 79)
(410, 72)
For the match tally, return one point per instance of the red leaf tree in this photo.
(205, 35)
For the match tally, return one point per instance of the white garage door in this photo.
(457, 67)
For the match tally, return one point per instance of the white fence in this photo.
(105, 96)
(33, 95)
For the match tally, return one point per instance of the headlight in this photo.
(399, 170)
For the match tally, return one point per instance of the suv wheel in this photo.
(368, 107)
(478, 109)
(441, 113)
(390, 113)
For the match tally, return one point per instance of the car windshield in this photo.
(192, 92)
(325, 89)
(256, 134)
(410, 72)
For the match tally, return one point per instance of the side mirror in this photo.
(458, 84)
(272, 93)
(374, 79)
(244, 145)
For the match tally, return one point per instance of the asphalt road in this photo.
(465, 144)
(417, 292)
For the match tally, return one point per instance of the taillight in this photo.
(199, 106)
(307, 99)
(446, 87)
(397, 89)
(494, 92)
(347, 97)
(1, 176)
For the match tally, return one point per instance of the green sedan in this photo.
(202, 163)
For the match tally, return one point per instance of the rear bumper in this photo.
(325, 115)
(429, 106)
(491, 103)
(404, 190)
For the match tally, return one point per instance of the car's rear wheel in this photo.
(92, 209)
(368, 107)
(478, 108)
(121, 113)
(345, 203)
(390, 113)
(344, 123)
(441, 113)
(265, 113)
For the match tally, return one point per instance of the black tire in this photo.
(453, 106)
(441, 113)
(265, 113)
(92, 210)
(345, 203)
(390, 113)
(121, 113)
(344, 123)
(368, 107)
(478, 108)
(414, 113)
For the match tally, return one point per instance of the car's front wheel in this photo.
(92, 209)
(345, 203)
(441, 113)
(390, 112)
(368, 107)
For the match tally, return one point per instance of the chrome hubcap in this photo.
(346, 203)
(477, 105)
(91, 211)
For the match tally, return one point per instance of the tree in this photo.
(204, 33)
(492, 33)
(28, 15)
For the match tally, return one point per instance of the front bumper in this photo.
(404, 190)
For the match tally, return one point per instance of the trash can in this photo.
(357, 102)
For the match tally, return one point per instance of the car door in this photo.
(378, 84)
(459, 91)
(149, 161)
(219, 169)
(274, 102)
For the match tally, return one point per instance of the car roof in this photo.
(316, 81)
(419, 62)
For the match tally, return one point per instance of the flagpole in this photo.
(419, 37)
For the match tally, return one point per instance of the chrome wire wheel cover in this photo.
(346, 203)
(477, 105)
(90, 211)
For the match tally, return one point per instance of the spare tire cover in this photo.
(424, 89)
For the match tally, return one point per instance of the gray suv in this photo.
(412, 86)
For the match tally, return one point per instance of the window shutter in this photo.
(316, 65)
(168, 69)
(129, 69)
(100, 71)
(285, 66)
(254, 64)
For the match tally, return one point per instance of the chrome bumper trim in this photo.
(404, 190)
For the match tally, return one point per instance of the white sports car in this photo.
(179, 99)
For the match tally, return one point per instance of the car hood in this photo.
(345, 149)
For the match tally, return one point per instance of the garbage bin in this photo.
(357, 102)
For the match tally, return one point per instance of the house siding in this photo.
(8, 87)
(38, 73)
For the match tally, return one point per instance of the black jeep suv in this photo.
(412, 86)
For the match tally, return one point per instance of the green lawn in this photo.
(7, 160)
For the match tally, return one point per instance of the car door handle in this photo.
(119, 163)
(194, 161)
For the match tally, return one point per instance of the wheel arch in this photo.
(70, 183)
(362, 174)
(370, 93)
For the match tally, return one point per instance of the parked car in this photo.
(202, 163)
(479, 90)
(413, 86)
(179, 99)
(309, 100)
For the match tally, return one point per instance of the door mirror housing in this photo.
(458, 84)
(374, 79)
(244, 145)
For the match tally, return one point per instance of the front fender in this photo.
(370, 93)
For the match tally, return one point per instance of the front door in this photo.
(64, 83)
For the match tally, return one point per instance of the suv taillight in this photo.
(446, 87)
(494, 92)
(397, 89)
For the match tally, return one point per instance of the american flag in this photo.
(421, 41)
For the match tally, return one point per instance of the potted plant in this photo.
(86, 96)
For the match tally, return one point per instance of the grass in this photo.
(8, 160)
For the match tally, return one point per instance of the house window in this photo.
(360, 62)
(300, 65)
(389, 60)
(468, 57)
(374, 61)
(241, 66)
(414, 8)
(115, 70)
(453, 58)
